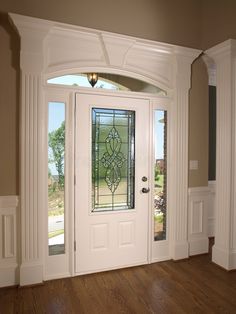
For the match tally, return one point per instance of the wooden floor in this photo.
(190, 286)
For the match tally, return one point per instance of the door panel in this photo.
(111, 228)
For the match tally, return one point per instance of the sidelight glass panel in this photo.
(56, 177)
(113, 140)
(160, 174)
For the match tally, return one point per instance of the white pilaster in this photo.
(224, 250)
(179, 148)
(211, 69)
(31, 62)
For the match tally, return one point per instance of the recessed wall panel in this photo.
(99, 237)
(126, 233)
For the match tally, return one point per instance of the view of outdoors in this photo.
(56, 178)
(82, 81)
(113, 159)
(56, 150)
(160, 175)
(123, 190)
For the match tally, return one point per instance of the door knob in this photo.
(145, 190)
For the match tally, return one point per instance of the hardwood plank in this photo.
(190, 286)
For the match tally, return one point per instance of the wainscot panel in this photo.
(9, 240)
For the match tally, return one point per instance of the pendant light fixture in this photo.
(92, 78)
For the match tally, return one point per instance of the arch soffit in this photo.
(67, 49)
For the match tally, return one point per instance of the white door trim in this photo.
(63, 266)
(59, 266)
(50, 49)
(160, 250)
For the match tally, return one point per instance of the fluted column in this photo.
(179, 154)
(31, 269)
(31, 148)
(224, 250)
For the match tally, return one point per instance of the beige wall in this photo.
(9, 99)
(218, 22)
(198, 124)
(170, 21)
(176, 22)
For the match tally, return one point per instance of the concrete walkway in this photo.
(59, 239)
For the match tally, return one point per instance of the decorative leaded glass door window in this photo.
(113, 142)
(111, 158)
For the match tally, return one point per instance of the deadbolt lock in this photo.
(145, 190)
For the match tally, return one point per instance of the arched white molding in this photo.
(50, 47)
(109, 70)
(224, 250)
(211, 69)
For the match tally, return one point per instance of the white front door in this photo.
(111, 168)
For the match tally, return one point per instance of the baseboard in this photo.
(180, 250)
(232, 261)
(31, 274)
(9, 275)
(160, 251)
(223, 258)
(57, 276)
(198, 246)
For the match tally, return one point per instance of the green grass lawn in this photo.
(55, 202)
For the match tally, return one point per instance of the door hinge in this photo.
(74, 180)
(74, 245)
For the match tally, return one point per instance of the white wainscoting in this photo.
(198, 206)
(8, 241)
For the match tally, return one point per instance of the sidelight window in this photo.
(160, 175)
(56, 177)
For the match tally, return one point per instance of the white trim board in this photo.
(211, 209)
(50, 49)
(198, 205)
(9, 244)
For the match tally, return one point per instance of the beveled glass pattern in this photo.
(113, 142)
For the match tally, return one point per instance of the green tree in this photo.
(49, 173)
(157, 172)
(56, 141)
